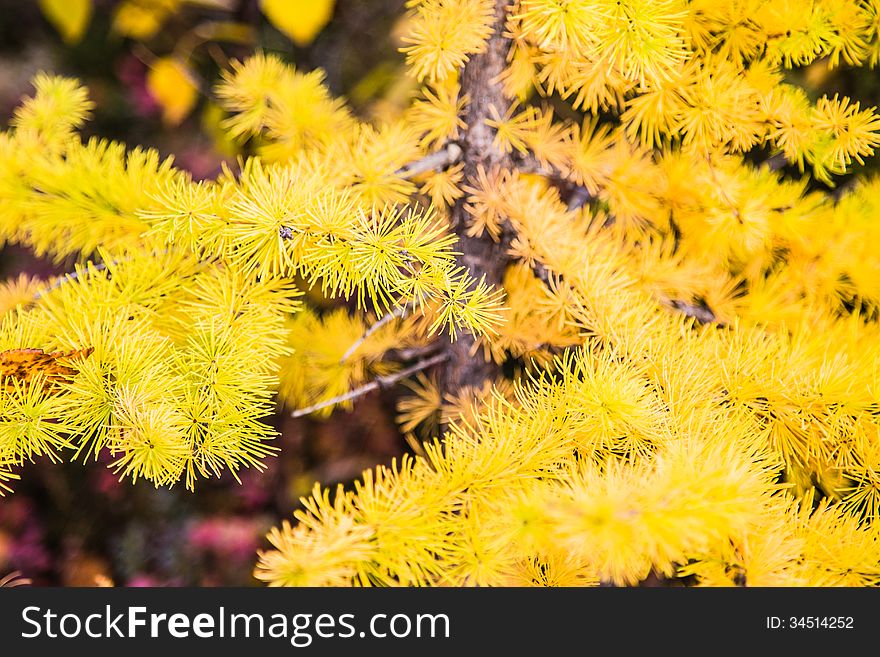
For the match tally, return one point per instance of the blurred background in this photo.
(150, 66)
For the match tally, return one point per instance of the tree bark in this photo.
(480, 255)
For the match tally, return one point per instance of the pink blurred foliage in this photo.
(142, 580)
(200, 159)
(255, 491)
(132, 73)
(103, 481)
(228, 537)
(22, 540)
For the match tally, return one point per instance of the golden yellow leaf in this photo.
(170, 82)
(301, 20)
(69, 17)
(141, 19)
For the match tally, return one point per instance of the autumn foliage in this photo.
(685, 340)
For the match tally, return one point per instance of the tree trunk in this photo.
(480, 255)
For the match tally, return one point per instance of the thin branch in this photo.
(542, 273)
(411, 353)
(528, 163)
(13, 579)
(579, 198)
(776, 162)
(398, 313)
(432, 162)
(70, 276)
(579, 195)
(74, 275)
(380, 383)
(703, 314)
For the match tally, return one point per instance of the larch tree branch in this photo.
(379, 383)
(436, 161)
(398, 313)
(482, 256)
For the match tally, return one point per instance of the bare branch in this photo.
(71, 276)
(543, 274)
(432, 162)
(13, 579)
(776, 162)
(579, 198)
(386, 319)
(411, 353)
(579, 195)
(528, 163)
(380, 383)
(86, 269)
(703, 314)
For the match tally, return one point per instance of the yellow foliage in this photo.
(142, 19)
(444, 33)
(171, 83)
(301, 20)
(686, 341)
(70, 17)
